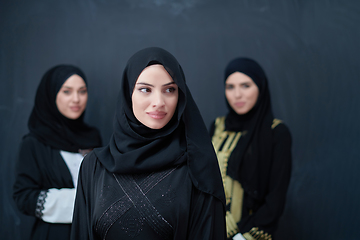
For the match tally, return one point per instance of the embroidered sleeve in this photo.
(231, 226)
(40, 203)
(255, 233)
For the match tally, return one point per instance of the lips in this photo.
(157, 114)
(75, 108)
(239, 104)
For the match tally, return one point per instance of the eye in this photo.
(246, 85)
(84, 91)
(67, 92)
(170, 90)
(229, 86)
(145, 90)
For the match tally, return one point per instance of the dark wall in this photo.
(309, 50)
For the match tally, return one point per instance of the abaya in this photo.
(260, 161)
(40, 166)
(152, 183)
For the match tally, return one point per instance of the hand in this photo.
(238, 236)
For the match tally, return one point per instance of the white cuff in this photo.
(238, 236)
(59, 205)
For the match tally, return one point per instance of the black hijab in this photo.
(250, 161)
(49, 126)
(135, 148)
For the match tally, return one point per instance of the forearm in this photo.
(57, 205)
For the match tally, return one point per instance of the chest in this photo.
(141, 206)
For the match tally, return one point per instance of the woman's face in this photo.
(72, 98)
(241, 92)
(155, 97)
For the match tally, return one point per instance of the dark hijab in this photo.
(135, 148)
(250, 161)
(49, 126)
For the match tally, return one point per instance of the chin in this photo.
(156, 125)
(73, 116)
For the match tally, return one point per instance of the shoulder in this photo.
(29, 142)
(29, 139)
(219, 122)
(280, 131)
(89, 160)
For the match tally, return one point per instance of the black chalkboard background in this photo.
(309, 50)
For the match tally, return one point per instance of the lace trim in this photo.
(255, 233)
(40, 203)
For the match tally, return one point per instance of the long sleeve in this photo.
(59, 205)
(27, 187)
(40, 169)
(81, 226)
(207, 219)
(267, 216)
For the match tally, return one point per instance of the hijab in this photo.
(250, 161)
(49, 126)
(135, 148)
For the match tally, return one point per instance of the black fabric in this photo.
(49, 126)
(103, 211)
(40, 167)
(145, 208)
(250, 161)
(265, 213)
(135, 148)
(261, 161)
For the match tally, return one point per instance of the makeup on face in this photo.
(72, 97)
(155, 97)
(241, 92)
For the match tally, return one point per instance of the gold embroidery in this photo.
(224, 143)
(275, 123)
(255, 233)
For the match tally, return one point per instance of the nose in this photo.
(238, 93)
(76, 97)
(158, 100)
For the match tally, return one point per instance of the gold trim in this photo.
(257, 234)
(275, 123)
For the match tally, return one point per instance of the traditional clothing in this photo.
(152, 183)
(49, 157)
(254, 152)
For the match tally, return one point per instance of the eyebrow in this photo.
(71, 87)
(147, 84)
(240, 83)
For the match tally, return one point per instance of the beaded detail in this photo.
(123, 210)
(259, 234)
(40, 203)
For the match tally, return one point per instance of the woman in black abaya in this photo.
(158, 178)
(254, 153)
(51, 153)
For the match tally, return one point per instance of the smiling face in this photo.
(155, 97)
(241, 92)
(72, 98)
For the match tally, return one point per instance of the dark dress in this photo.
(256, 168)
(163, 203)
(259, 213)
(40, 167)
(152, 183)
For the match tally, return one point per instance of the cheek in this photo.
(228, 95)
(85, 99)
(255, 95)
(61, 101)
(138, 103)
(173, 105)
